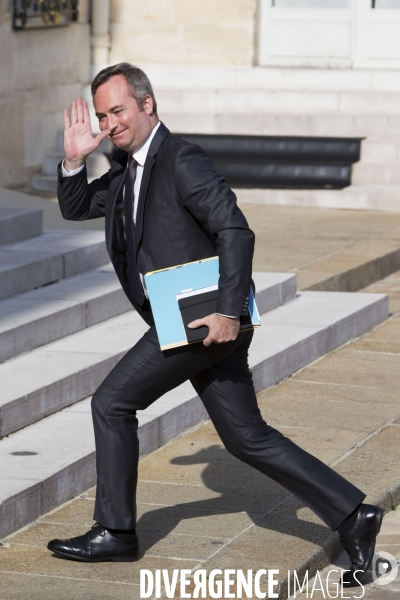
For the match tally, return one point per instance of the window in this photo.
(34, 14)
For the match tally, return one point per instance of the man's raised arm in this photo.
(77, 201)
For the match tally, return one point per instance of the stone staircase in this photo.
(379, 163)
(286, 162)
(278, 101)
(64, 325)
(363, 103)
(97, 164)
(375, 183)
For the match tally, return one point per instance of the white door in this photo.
(377, 37)
(329, 33)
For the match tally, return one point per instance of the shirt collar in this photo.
(141, 155)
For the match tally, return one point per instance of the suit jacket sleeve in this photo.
(79, 200)
(213, 204)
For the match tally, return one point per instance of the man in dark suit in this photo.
(164, 204)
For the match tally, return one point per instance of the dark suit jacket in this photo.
(186, 212)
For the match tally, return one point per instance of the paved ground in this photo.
(389, 537)
(324, 245)
(199, 507)
(391, 286)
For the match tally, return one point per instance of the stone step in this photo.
(301, 102)
(38, 317)
(368, 173)
(19, 224)
(51, 160)
(354, 267)
(96, 164)
(278, 149)
(329, 125)
(50, 473)
(59, 147)
(280, 161)
(270, 78)
(379, 163)
(41, 316)
(76, 364)
(44, 183)
(54, 255)
(369, 197)
(378, 149)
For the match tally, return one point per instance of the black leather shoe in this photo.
(359, 543)
(97, 545)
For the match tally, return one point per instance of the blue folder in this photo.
(165, 285)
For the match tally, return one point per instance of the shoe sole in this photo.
(96, 560)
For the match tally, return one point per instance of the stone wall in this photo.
(40, 72)
(184, 32)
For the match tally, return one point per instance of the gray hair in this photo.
(137, 80)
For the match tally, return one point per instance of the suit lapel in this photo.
(159, 137)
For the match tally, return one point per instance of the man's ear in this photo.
(148, 105)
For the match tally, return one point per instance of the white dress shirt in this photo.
(140, 157)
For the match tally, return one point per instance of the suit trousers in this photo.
(221, 377)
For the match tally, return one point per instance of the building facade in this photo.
(200, 41)
(40, 70)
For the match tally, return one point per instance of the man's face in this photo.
(118, 111)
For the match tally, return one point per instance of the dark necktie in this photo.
(134, 278)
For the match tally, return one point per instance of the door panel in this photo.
(330, 33)
(310, 39)
(384, 40)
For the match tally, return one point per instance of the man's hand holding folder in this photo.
(220, 329)
(184, 301)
